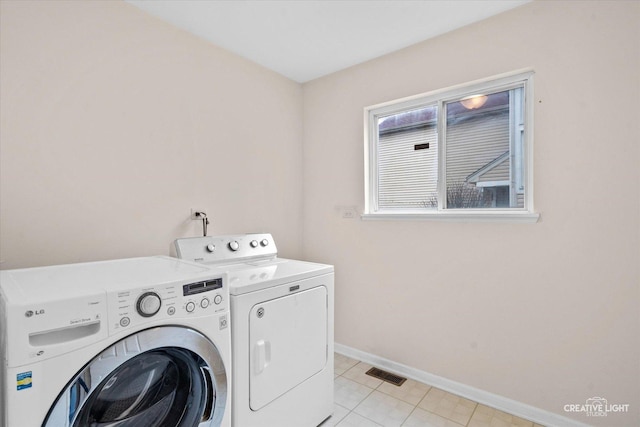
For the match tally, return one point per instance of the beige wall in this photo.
(547, 313)
(114, 125)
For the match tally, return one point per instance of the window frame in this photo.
(507, 81)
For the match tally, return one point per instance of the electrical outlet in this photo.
(193, 213)
(349, 212)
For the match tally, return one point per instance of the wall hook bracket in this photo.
(202, 216)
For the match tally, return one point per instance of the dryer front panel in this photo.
(287, 343)
(161, 377)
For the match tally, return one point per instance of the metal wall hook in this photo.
(205, 222)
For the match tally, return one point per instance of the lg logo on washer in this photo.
(30, 313)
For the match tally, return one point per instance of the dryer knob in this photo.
(254, 243)
(234, 246)
(211, 247)
(264, 242)
(148, 304)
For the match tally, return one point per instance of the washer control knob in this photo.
(254, 243)
(204, 303)
(148, 304)
(190, 306)
(217, 299)
(264, 242)
(234, 246)
(211, 247)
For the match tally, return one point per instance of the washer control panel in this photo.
(221, 249)
(177, 300)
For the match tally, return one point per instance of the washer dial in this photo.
(148, 304)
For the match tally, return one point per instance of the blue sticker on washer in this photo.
(23, 380)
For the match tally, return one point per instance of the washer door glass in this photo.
(161, 377)
(157, 388)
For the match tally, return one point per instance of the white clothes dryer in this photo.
(281, 330)
(133, 342)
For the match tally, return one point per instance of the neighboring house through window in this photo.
(462, 152)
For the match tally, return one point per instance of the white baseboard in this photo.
(501, 403)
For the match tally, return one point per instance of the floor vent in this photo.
(386, 376)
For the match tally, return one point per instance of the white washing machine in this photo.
(134, 342)
(281, 330)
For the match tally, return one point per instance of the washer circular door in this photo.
(162, 377)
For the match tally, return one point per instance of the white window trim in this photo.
(439, 97)
(469, 215)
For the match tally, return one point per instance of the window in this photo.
(462, 152)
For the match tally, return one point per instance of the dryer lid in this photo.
(255, 276)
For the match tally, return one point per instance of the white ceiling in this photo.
(306, 39)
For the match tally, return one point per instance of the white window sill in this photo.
(456, 216)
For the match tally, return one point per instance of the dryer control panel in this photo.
(224, 249)
(176, 300)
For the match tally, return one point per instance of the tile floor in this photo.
(363, 401)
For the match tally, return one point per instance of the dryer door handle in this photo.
(263, 355)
